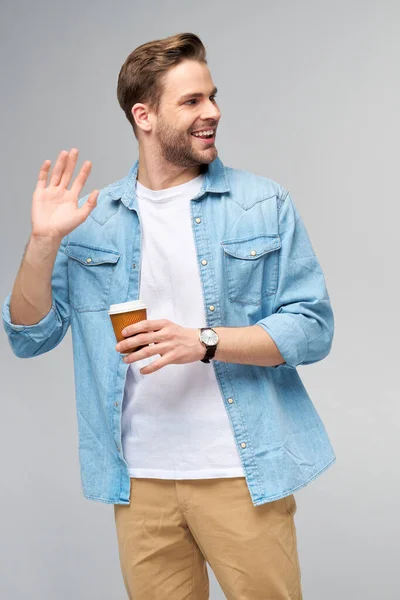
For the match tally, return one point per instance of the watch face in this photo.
(209, 337)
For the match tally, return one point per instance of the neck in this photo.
(156, 173)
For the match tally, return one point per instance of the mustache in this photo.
(205, 127)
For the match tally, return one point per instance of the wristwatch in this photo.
(209, 338)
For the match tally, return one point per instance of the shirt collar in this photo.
(215, 181)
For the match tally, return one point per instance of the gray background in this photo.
(309, 93)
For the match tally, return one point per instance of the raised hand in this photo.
(55, 211)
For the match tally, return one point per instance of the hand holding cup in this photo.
(124, 314)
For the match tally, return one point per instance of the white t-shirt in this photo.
(174, 422)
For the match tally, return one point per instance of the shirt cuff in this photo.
(288, 336)
(38, 332)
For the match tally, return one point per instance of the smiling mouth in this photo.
(208, 136)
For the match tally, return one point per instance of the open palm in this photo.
(55, 211)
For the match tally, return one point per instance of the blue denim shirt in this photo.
(261, 269)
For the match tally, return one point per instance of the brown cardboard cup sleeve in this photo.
(124, 314)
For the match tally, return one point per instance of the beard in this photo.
(177, 148)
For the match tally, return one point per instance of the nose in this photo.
(211, 112)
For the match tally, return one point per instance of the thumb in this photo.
(90, 204)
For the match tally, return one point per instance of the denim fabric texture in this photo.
(261, 270)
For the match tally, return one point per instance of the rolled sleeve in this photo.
(302, 321)
(38, 332)
(284, 329)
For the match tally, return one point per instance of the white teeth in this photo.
(201, 133)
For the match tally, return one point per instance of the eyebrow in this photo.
(197, 95)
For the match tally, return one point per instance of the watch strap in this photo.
(210, 353)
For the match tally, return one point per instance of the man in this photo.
(200, 438)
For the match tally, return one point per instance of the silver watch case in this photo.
(209, 337)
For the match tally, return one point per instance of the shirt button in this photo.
(204, 262)
(211, 307)
(88, 260)
(198, 220)
(243, 445)
(253, 253)
(118, 448)
(230, 400)
(134, 266)
(116, 404)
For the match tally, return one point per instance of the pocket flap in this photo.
(252, 248)
(91, 255)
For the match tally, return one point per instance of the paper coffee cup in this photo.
(124, 314)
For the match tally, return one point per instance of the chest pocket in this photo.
(90, 273)
(251, 267)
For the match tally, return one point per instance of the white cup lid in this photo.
(126, 306)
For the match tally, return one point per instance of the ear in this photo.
(140, 114)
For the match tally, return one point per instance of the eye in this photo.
(212, 98)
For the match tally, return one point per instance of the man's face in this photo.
(187, 105)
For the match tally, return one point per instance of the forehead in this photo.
(189, 76)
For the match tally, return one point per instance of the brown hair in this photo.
(141, 76)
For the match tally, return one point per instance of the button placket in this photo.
(201, 248)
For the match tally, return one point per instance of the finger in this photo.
(58, 168)
(139, 339)
(156, 365)
(89, 205)
(145, 325)
(146, 352)
(43, 173)
(69, 167)
(81, 178)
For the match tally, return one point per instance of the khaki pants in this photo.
(172, 527)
